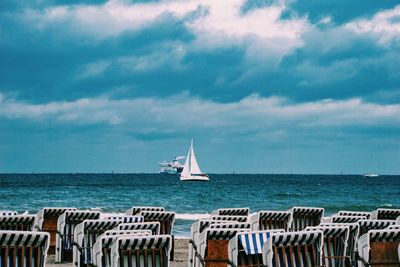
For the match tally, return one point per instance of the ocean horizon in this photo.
(115, 193)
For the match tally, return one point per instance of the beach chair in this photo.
(138, 209)
(66, 224)
(354, 213)
(17, 222)
(385, 214)
(335, 244)
(165, 218)
(232, 212)
(212, 249)
(141, 251)
(346, 219)
(351, 250)
(379, 248)
(294, 249)
(85, 235)
(366, 225)
(269, 220)
(46, 221)
(8, 212)
(102, 246)
(302, 217)
(228, 218)
(154, 227)
(126, 218)
(245, 249)
(195, 231)
(23, 248)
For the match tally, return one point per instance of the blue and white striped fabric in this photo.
(253, 242)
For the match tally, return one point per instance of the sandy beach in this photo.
(180, 256)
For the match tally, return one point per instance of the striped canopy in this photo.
(269, 220)
(366, 225)
(228, 218)
(14, 220)
(301, 217)
(385, 214)
(153, 226)
(354, 213)
(232, 212)
(235, 225)
(295, 238)
(73, 216)
(137, 209)
(253, 242)
(23, 239)
(49, 212)
(158, 215)
(127, 218)
(347, 218)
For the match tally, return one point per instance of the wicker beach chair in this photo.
(165, 218)
(65, 231)
(126, 218)
(17, 222)
(232, 212)
(302, 217)
(269, 220)
(245, 249)
(212, 250)
(137, 209)
(294, 249)
(23, 248)
(154, 227)
(141, 251)
(8, 212)
(379, 248)
(354, 229)
(85, 235)
(335, 244)
(385, 214)
(354, 213)
(228, 218)
(366, 225)
(46, 221)
(102, 246)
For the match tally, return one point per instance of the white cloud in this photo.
(384, 25)
(180, 113)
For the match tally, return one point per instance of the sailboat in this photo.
(191, 170)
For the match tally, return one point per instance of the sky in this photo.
(262, 86)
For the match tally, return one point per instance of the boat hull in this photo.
(198, 178)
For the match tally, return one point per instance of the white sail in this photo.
(186, 168)
(194, 167)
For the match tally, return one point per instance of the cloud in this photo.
(182, 112)
(385, 26)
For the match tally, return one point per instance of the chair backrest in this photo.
(17, 222)
(245, 249)
(137, 209)
(232, 212)
(46, 220)
(23, 248)
(126, 218)
(8, 212)
(294, 249)
(66, 227)
(213, 245)
(269, 220)
(394, 226)
(165, 218)
(366, 225)
(154, 227)
(380, 248)
(301, 217)
(347, 218)
(385, 214)
(141, 251)
(102, 246)
(354, 213)
(86, 234)
(335, 244)
(228, 218)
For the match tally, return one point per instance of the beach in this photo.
(180, 255)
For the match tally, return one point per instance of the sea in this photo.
(115, 193)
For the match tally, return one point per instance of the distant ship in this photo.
(371, 174)
(173, 167)
(191, 170)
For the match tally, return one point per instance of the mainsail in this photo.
(191, 169)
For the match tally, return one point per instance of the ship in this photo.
(173, 167)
